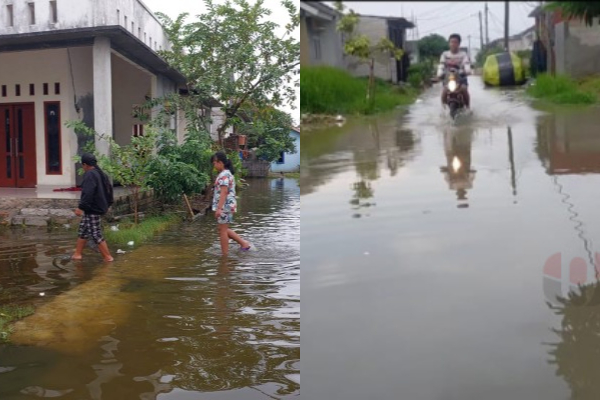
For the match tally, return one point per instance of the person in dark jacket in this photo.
(96, 198)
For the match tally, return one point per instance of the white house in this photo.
(289, 162)
(66, 60)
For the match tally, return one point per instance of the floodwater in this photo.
(171, 320)
(435, 253)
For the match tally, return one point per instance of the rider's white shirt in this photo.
(460, 59)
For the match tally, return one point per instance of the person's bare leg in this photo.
(238, 239)
(103, 247)
(79, 249)
(224, 238)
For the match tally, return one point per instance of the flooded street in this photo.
(170, 320)
(433, 253)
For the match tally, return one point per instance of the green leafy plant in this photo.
(360, 46)
(128, 164)
(232, 53)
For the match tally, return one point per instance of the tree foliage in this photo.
(588, 11)
(270, 132)
(232, 53)
(432, 46)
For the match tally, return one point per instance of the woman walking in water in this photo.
(224, 202)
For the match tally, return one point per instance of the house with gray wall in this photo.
(321, 43)
(386, 66)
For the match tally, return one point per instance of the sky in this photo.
(446, 17)
(279, 14)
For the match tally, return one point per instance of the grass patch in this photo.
(141, 233)
(294, 175)
(561, 89)
(10, 313)
(329, 90)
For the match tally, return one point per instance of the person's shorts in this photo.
(91, 227)
(225, 218)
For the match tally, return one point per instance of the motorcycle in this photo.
(454, 98)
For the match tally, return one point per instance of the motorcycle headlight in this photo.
(452, 86)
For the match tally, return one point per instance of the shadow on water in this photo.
(173, 320)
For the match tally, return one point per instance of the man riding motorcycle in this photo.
(458, 59)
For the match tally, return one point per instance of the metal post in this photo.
(480, 31)
(487, 25)
(506, 26)
(511, 159)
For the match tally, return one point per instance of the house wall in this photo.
(304, 44)
(217, 117)
(291, 162)
(577, 48)
(385, 66)
(332, 51)
(25, 68)
(90, 13)
(130, 85)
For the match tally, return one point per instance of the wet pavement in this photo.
(434, 253)
(170, 320)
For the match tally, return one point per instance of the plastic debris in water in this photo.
(130, 243)
(67, 226)
(42, 294)
(114, 228)
(366, 253)
(121, 251)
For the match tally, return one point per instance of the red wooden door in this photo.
(17, 146)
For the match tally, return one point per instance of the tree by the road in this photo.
(432, 46)
(586, 10)
(269, 132)
(360, 46)
(233, 54)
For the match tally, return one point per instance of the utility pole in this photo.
(417, 25)
(469, 37)
(480, 31)
(505, 25)
(487, 26)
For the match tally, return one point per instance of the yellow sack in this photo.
(503, 69)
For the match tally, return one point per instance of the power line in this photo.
(452, 23)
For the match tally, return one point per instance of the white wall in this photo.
(84, 14)
(24, 68)
(130, 85)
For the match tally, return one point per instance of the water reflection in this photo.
(364, 145)
(575, 353)
(458, 171)
(568, 143)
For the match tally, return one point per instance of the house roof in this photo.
(403, 22)
(536, 11)
(319, 9)
(525, 32)
(121, 40)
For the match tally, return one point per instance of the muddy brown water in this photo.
(429, 253)
(169, 320)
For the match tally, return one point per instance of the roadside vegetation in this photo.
(329, 90)
(562, 89)
(142, 232)
(11, 313)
